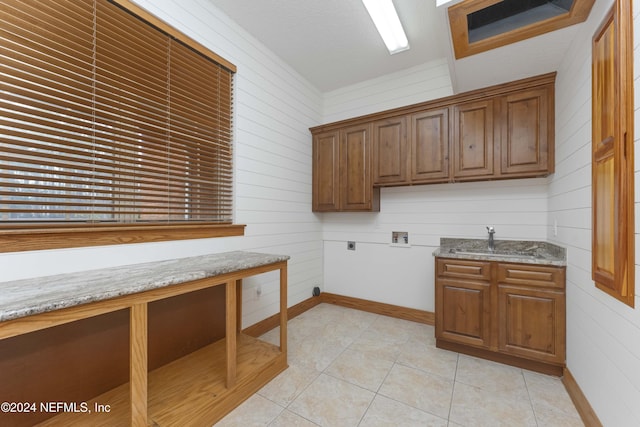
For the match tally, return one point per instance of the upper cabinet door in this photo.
(356, 184)
(525, 126)
(430, 146)
(473, 139)
(390, 156)
(326, 172)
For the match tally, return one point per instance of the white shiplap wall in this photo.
(404, 276)
(603, 334)
(274, 107)
(413, 85)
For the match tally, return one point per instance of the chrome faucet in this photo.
(491, 231)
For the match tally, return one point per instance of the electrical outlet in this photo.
(555, 227)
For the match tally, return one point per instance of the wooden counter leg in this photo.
(239, 304)
(283, 310)
(231, 326)
(138, 364)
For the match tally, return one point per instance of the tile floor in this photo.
(352, 368)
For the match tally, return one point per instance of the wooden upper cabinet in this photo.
(390, 156)
(342, 171)
(326, 171)
(505, 131)
(356, 184)
(526, 127)
(430, 146)
(473, 140)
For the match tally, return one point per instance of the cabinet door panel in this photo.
(525, 132)
(326, 175)
(390, 151)
(531, 323)
(473, 139)
(430, 146)
(463, 312)
(355, 178)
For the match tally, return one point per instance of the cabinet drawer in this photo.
(532, 275)
(464, 269)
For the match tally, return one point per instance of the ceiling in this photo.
(333, 43)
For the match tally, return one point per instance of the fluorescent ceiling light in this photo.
(441, 2)
(388, 24)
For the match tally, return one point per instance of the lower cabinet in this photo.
(512, 313)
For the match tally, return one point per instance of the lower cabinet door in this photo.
(531, 323)
(463, 312)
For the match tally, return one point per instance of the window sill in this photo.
(16, 238)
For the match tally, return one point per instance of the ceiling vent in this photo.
(481, 25)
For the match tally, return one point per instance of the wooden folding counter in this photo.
(57, 332)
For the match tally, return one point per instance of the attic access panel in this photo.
(481, 25)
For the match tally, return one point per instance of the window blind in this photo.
(106, 118)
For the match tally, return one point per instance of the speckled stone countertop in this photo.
(521, 251)
(22, 298)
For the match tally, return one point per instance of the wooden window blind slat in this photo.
(105, 118)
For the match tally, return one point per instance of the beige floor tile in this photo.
(314, 353)
(362, 369)
(340, 332)
(289, 419)
(288, 385)
(548, 393)
(385, 346)
(339, 358)
(428, 336)
(427, 357)
(255, 411)
(272, 337)
(398, 329)
(551, 418)
(491, 376)
(329, 401)
(385, 412)
(422, 390)
(302, 327)
(473, 406)
(356, 318)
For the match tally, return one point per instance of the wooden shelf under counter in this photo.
(187, 391)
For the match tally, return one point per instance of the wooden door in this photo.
(326, 176)
(390, 156)
(525, 128)
(613, 236)
(356, 186)
(531, 323)
(430, 146)
(473, 143)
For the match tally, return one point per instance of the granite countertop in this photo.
(520, 251)
(26, 297)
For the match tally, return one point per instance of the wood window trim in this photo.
(59, 236)
(142, 13)
(613, 250)
(460, 34)
(15, 237)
